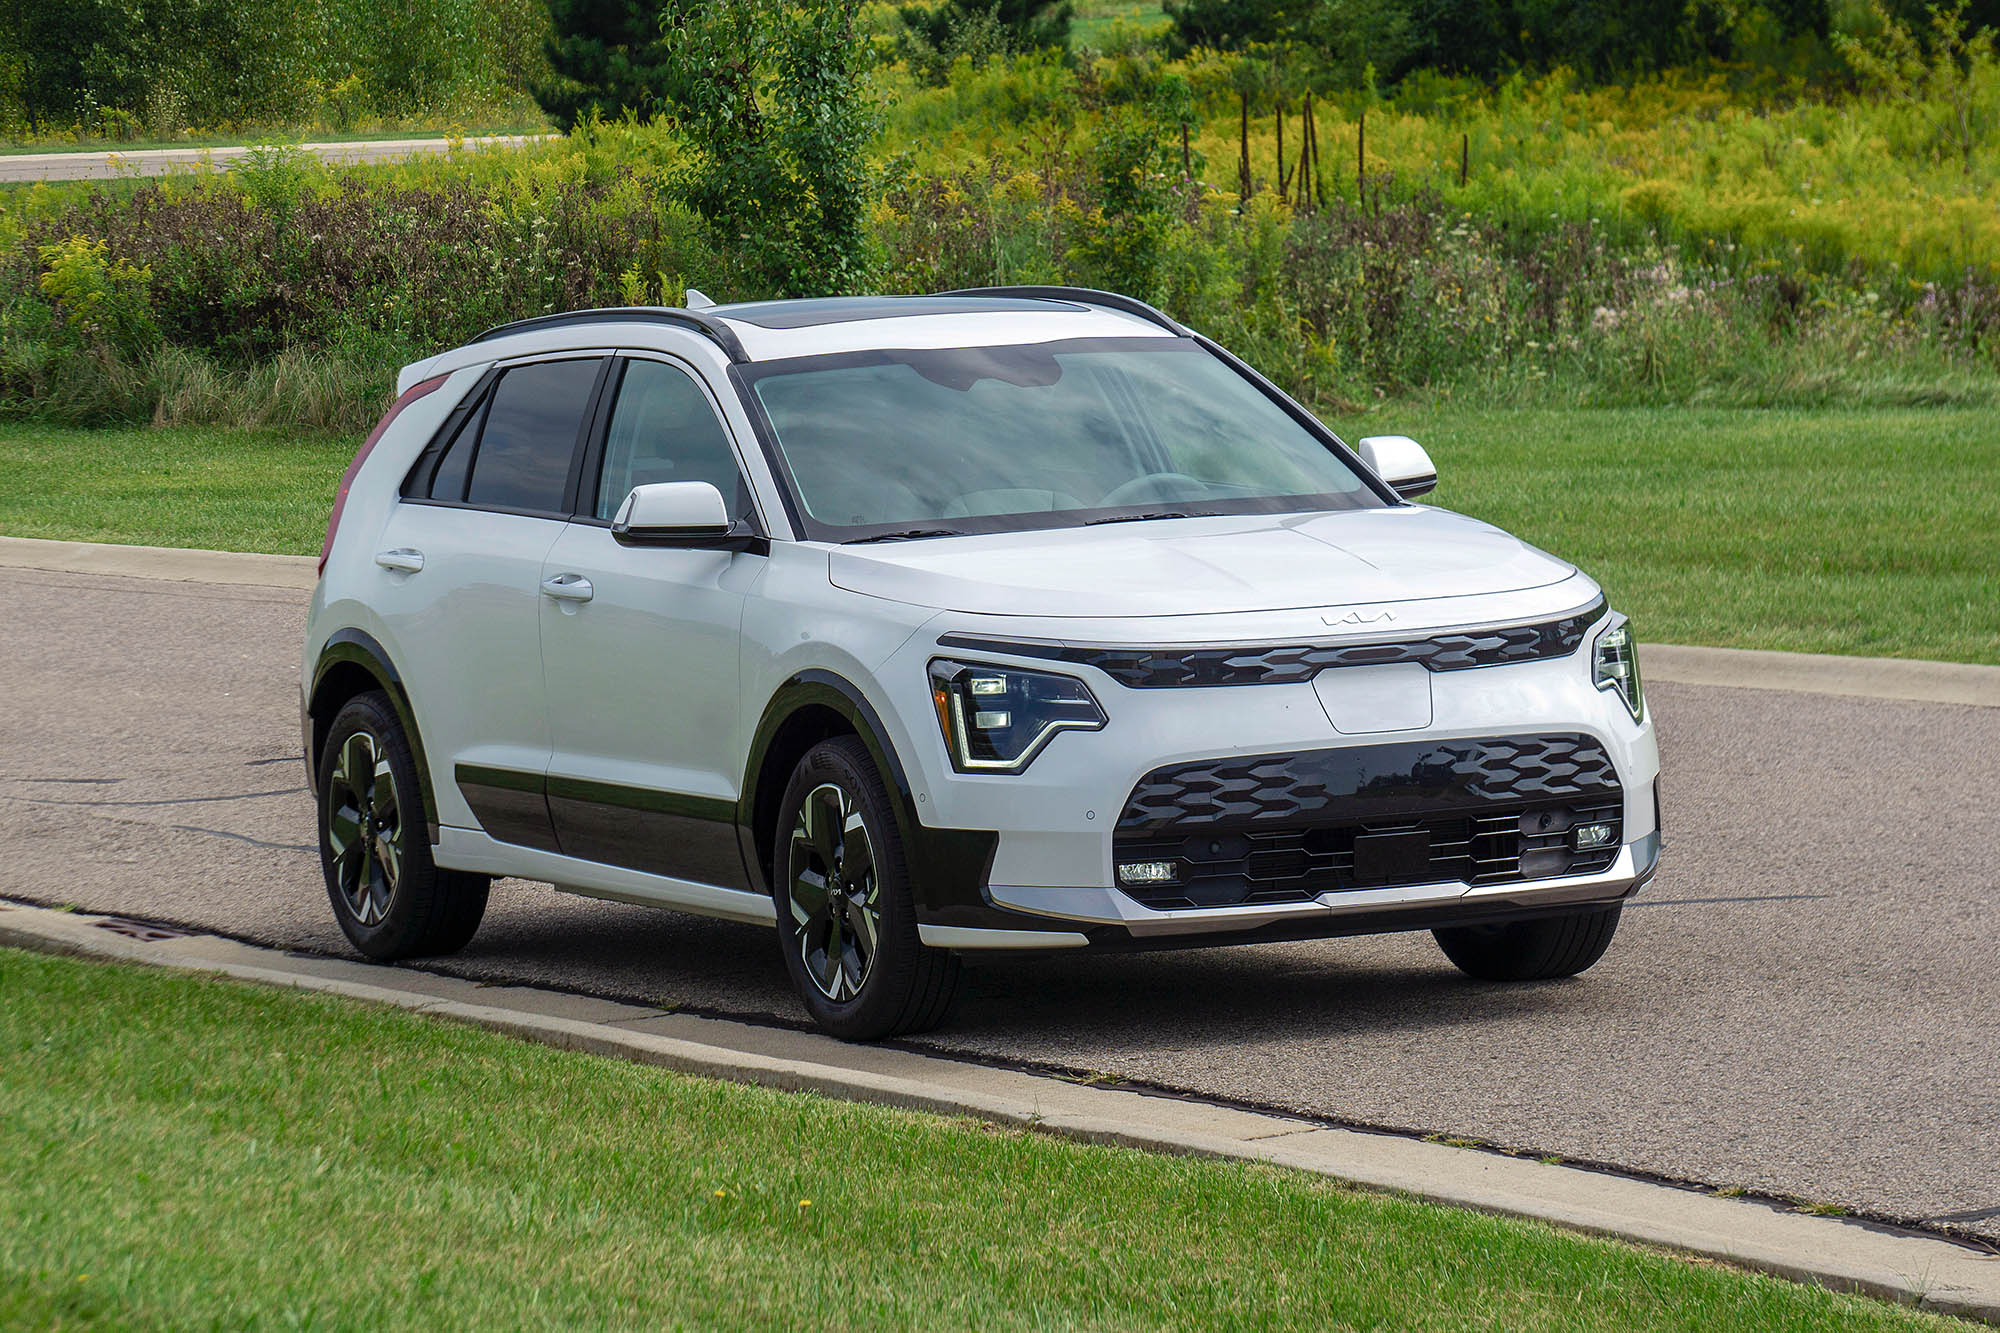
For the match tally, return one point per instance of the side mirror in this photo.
(1402, 462)
(686, 514)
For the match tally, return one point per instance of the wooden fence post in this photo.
(1361, 159)
(1243, 162)
(1464, 159)
(1281, 148)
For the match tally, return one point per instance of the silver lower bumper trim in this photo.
(973, 937)
(1108, 907)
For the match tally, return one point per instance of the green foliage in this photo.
(116, 68)
(98, 297)
(1227, 25)
(608, 57)
(1953, 80)
(935, 36)
(771, 99)
(1488, 38)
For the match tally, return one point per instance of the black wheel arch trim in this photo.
(949, 867)
(357, 648)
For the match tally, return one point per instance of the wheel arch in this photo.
(808, 708)
(352, 663)
(949, 867)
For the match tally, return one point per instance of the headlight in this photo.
(1614, 665)
(997, 719)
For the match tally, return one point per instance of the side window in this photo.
(532, 422)
(663, 429)
(448, 478)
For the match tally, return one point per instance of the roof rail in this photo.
(1129, 305)
(707, 325)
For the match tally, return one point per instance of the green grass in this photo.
(184, 1152)
(1863, 532)
(1097, 20)
(232, 490)
(1848, 531)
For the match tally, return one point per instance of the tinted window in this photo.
(448, 480)
(988, 438)
(531, 429)
(663, 429)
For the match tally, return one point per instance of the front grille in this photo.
(1283, 828)
(1290, 664)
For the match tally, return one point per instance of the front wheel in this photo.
(846, 919)
(1538, 950)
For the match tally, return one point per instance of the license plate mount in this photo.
(1402, 857)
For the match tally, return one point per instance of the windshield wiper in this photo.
(907, 534)
(1141, 518)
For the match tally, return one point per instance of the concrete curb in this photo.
(1844, 1255)
(1737, 668)
(1814, 673)
(160, 562)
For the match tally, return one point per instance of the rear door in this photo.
(461, 564)
(642, 651)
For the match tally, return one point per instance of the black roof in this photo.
(815, 311)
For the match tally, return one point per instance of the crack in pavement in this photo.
(178, 800)
(1753, 898)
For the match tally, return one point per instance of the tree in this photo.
(609, 57)
(1228, 25)
(771, 97)
(1952, 79)
(1023, 25)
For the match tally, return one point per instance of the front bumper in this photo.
(1059, 831)
(1340, 912)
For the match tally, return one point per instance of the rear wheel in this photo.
(846, 919)
(391, 899)
(1538, 950)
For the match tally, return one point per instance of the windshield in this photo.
(885, 444)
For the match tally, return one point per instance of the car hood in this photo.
(1201, 566)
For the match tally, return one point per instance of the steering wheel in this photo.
(1153, 486)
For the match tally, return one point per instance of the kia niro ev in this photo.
(1012, 619)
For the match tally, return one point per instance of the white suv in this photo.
(1014, 619)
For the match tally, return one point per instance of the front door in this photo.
(640, 648)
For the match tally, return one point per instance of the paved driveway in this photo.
(1803, 1002)
(166, 161)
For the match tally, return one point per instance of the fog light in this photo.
(1594, 835)
(992, 719)
(1146, 872)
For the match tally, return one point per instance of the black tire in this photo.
(852, 991)
(391, 899)
(1538, 950)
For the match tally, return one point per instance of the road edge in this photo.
(1921, 1271)
(1906, 679)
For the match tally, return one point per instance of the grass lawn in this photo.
(1866, 532)
(1097, 20)
(231, 490)
(187, 1152)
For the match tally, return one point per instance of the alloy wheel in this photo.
(836, 894)
(364, 828)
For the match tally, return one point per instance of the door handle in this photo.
(405, 559)
(567, 588)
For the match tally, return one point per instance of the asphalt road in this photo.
(81, 166)
(1804, 1002)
